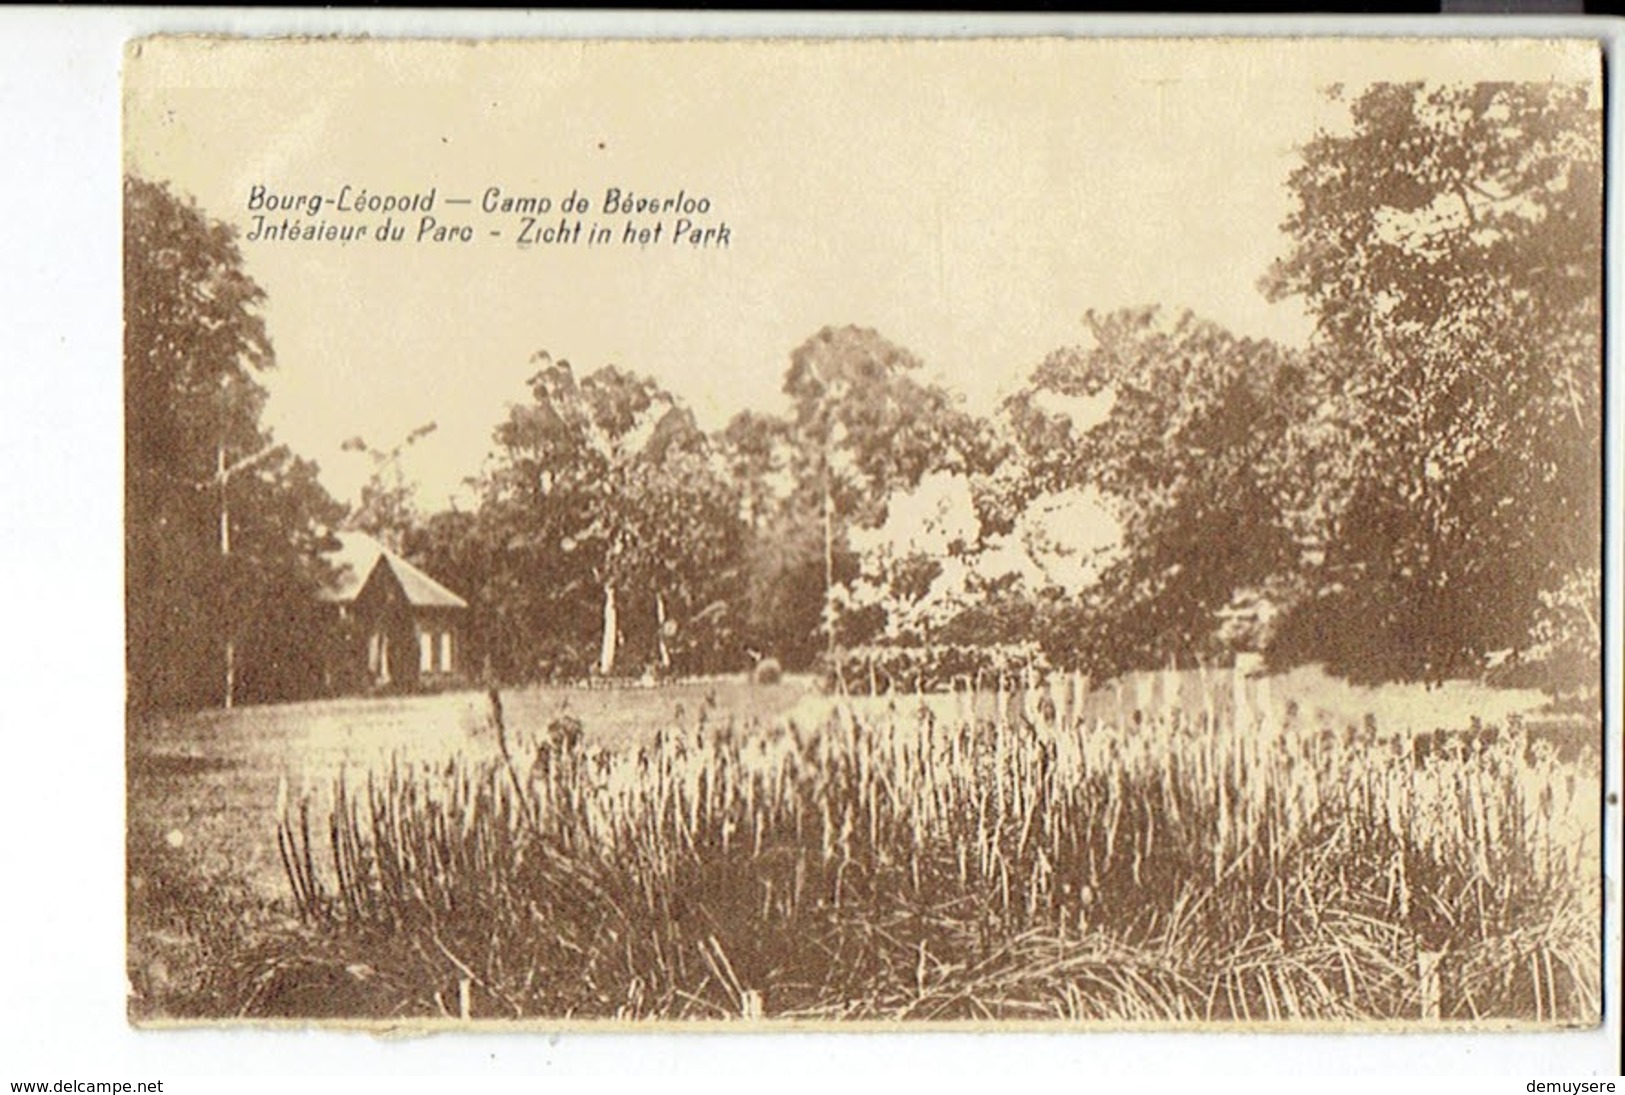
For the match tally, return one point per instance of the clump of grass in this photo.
(187, 927)
(896, 866)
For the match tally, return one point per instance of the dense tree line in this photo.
(1450, 248)
(1414, 494)
(222, 526)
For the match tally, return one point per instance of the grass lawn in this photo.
(207, 782)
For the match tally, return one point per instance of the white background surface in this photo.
(62, 1012)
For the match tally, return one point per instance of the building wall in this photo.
(381, 630)
(439, 643)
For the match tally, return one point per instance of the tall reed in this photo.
(896, 864)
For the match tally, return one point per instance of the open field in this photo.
(212, 777)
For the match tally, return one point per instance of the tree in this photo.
(1205, 459)
(684, 541)
(864, 426)
(778, 607)
(221, 523)
(601, 488)
(757, 452)
(388, 505)
(1449, 246)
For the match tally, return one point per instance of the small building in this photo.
(393, 626)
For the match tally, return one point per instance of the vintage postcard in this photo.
(863, 534)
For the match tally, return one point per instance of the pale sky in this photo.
(969, 199)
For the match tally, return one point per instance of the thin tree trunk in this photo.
(831, 648)
(660, 630)
(225, 576)
(606, 652)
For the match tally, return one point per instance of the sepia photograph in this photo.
(869, 534)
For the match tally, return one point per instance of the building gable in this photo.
(360, 556)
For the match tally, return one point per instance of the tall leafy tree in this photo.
(1205, 457)
(778, 606)
(221, 523)
(756, 450)
(601, 491)
(1449, 245)
(864, 424)
(685, 541)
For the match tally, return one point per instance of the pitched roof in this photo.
(359, 554)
